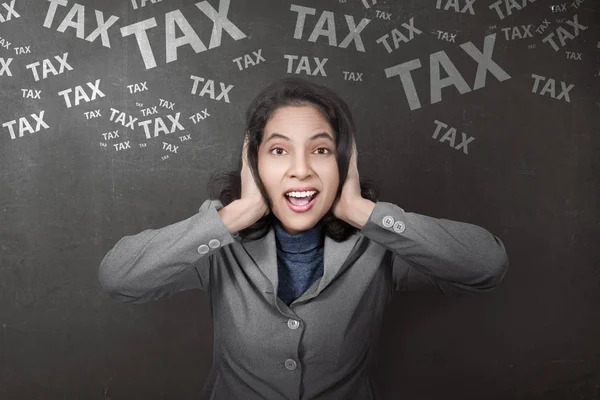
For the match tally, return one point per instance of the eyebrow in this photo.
(320, 135)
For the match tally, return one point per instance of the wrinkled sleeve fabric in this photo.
(430, 253)
(156, 263)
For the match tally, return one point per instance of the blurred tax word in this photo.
(121, 118)
(143, 3)
(75, 19)
(199, 116)
(304, 65)
(573, 55)
(365, 3)
(25, 126)
(454, 78)
(327, 18)
(166, 104)
(448, 37)
(48, 67)
(185, 138)
(80, 93)
(111, 135)
(549, 88)
(384, 15)
(149, 111)
(509, 6)
(209, 88)
(22, 50)
(559, 7)
(176, 19)
(160, 126)
(10, 12)
(450, 137)
(122, 146)
(4, 43)
(576, 3)
(398, 37)
(92, 114)
(545, 24)
(454, 4)
(517, 33)
(248, 61)
(563, 34)
(4, 66)
(31, 93)
(137, 87)
(170, 147)
(353, 76)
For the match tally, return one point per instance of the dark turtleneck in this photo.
(299, 260)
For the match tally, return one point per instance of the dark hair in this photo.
(293, 92)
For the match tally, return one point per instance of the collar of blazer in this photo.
(264, 253)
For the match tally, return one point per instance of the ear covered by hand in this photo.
(250, 191)
(350, 189)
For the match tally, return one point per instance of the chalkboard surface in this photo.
(114, 115)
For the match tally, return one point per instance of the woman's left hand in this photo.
(343, 206)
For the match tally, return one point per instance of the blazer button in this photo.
(203, 249)
(290, 364)
(293, 324)
(214, 243)
(388, 221)
(399, 226)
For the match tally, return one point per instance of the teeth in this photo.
(301, 194)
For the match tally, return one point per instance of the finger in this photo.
(245, 146)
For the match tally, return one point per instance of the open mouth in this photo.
(301, 204)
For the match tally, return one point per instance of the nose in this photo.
(300, 166)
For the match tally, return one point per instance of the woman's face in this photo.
(290, 157)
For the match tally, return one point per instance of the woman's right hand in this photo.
(250, 192)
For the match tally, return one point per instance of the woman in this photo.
(298, 268)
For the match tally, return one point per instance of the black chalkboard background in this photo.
(69, 191)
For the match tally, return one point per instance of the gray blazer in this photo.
(319, 346)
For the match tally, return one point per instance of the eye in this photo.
(320, 148)
(276, 148)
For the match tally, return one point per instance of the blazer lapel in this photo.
(335, 254)
(264, 253)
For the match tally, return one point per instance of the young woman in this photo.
(298, 257)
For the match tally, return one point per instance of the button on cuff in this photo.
(399, 226)
(387, 221)
(203, 249)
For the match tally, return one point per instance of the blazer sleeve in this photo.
(156, 263)
(453, 257)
